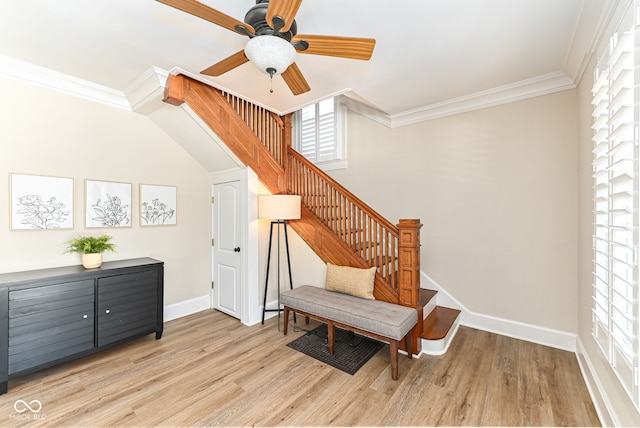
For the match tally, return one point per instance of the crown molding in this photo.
(50, 79)
(367, 111)
(144, 95)
(537, 86)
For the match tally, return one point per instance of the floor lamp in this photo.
(278, 209)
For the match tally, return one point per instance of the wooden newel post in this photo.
(409, 272)
(409, 262)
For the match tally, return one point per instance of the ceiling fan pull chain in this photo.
(271, 72)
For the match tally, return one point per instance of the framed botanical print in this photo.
(40, 202)
(158, 205)
(107, 204)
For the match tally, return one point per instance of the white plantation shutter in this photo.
(318, 133)
(615, 240)
(326, 131)
(308, 133)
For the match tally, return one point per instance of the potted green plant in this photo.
(91, 249)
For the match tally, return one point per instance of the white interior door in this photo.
(227, 260)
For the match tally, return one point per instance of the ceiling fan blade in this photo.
(295, 80)
(226, 64)
(344, 47)
(207, 13)
(285, 9)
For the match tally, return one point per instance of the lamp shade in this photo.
(279, 207)
(271, 54)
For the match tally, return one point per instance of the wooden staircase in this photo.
(439, 323)
(338, 226)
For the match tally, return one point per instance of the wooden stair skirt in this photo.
(438, 325)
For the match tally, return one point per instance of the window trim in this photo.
(615, 286)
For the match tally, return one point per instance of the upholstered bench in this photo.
(380, 320)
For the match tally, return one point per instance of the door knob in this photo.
(237, 249)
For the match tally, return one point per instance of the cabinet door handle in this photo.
(85, 316)
(237, 249)
(107, 311)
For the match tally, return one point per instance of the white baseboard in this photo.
(530, 333)
(601, 402)
(199, 304)
(187, 307)
(517, 330)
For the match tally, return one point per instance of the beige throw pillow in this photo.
(349, 280)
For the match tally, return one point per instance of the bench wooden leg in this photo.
(286, 320)
(331, 336)
(306, 320)
(393, 349)
(408, 340)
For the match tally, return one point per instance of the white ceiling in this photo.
(427, 52)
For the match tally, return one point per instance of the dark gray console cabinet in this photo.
(48, 316)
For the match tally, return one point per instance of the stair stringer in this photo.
(214, 110)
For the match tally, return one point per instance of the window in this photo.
(615, 174)
(319, 134)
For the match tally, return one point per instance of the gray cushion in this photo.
(375, 316)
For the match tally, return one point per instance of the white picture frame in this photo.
(107, 204)
(39, 202)
(158, 205)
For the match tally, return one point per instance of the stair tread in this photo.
(380, 261)
(438, 323)
(363, 245)
(426, 296)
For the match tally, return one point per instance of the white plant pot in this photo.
(92, 261)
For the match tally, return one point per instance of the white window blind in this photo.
(319, 132)
(615, 240)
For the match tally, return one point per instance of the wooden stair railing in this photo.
(365, 232)
(337, 225)
(238, 126)
(362, 229)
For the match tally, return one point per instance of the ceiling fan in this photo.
(273, 40)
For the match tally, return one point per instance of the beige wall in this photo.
(48, 133)
(496, 192)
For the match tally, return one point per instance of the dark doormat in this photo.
(351, 351)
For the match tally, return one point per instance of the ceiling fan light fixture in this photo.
(271, 54)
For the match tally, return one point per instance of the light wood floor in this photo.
(210, 370)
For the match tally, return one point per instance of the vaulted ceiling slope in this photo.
(430, 55)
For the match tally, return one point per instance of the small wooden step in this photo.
(438, 323)
(426, 296)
